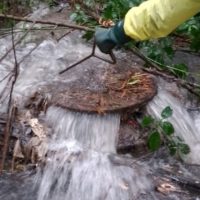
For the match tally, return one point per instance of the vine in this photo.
(162, 131)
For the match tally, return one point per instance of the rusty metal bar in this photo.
(112, 61)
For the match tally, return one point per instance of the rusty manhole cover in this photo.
(119, 89)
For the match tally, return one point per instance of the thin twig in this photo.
(67, 33)
(33, 49)
(20, 39)
(16, 65)
(7, 33)
(11, 110)
(7, 135)
(6, 87)
(137, 52)
(28, 54)
(165, 74)
(44, 28)
(4, 78)
(78, 27)
(189, 51)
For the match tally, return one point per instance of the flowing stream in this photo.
(82, 163)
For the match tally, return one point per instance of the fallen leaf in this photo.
(166, 188)
(124, 186)
(37, 128)
(17, 152)
(106, 22)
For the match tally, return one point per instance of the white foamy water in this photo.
(80, 162)
(186, 127)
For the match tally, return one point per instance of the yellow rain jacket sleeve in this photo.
(158, 18)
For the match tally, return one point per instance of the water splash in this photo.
(185, 125)
(82, 163)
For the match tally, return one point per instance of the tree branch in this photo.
(78, 27)
(20, 39)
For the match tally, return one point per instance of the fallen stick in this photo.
(185, 183)
(7, 136)
(78, 27)
(11, 110)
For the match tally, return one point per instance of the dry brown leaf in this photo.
(24, 116)
(166, 188)
(37, 128)
(17, 152)
(36, 149)
(106, 22)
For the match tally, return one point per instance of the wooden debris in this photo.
(78, 27)
(166, 188)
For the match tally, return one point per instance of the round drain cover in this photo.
(108, 90)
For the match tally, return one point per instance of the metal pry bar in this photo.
(112, 61)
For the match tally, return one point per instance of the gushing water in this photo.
(186, 127)
(81, 160)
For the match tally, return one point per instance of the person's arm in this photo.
(158, 18)
(151, 19)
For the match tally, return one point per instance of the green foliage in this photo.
(147, 120)
(111, 9)
(80, 17)
(167, 112)
(180, 70)
(191, 28)
(51, 3)
(154, 141)
(162, 131)
(3, 7)
(159, 50)
(116, 9)
(167, 128)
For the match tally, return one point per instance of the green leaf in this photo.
(172, 148)
(169, 51)
(77, 6)
(167, 112)
(180, 70)
(147, 121)
(167, 128)
(154, 141)
(73, 16)
(88, 35)
(184, 148)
